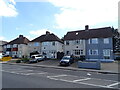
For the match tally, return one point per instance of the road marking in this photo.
(81, 79)
(113, 84)
(33, 73)
(57, 76)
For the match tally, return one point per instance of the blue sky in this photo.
(32, 19)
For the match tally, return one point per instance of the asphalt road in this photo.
(17, 76)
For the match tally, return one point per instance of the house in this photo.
(74, 44)
(17, 47)
(47, 44)
(97, 43)
(1, 45)
(116, 42)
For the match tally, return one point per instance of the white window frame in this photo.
(36, 44)
(106, 40)
(106, 52)
(78, 52)
(91, 51)
(14, 45)
(8, 46)
(53, 43)
(94, 41)
(89, 41)
(67, 43)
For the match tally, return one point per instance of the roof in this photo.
(47, 37)
(90, 33)
(19, 40)
(2, 42)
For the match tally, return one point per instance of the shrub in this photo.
(117, 58)
(18, 61)
(25, 60)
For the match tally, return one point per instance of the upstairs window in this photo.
(14, 45)
(36, 44)
(77, 41)
(53, 43)
(93, 41)
(67, 42)
(8, 46)
(106, 40)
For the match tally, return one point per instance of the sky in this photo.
(33, 18)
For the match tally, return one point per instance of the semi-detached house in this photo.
(48, 45)
(95, 44)
(17, 47)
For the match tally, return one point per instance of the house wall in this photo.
(72, 46)
(22, 50)
(32, 47)
(100, 46)
(49, 50)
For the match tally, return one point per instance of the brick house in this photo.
(97, 43)
(47, 44)
(17, 47)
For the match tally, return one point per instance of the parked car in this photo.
(66, 60)
(36, 58)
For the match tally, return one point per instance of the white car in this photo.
(36, 58)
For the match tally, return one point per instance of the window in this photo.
(30, 44)
(93, 52)
(53, 43)
(106, 53)
(106, 40)
(94, 41)
(81, 41)
(14, 45)
(77, 41)
(78, 52)
(14, 52)
(45, 43)
(67, 42)
(67, 52)
(8, 46)
(36, 44)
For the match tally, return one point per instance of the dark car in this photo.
(66, 60)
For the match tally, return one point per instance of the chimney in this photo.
(20, 36)
(86, 27)
(47, 32)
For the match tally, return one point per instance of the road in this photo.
(18, 76)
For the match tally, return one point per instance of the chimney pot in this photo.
(20, 36)
(86, 27)
(47, 32)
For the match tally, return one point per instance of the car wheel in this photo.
(69, 64)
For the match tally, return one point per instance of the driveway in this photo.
(104, 66)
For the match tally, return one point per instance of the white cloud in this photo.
(17, 28)
(2, 38)
(77, 13)
(31, 24)
(39, 32)
(7, 8)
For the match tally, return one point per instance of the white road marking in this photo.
(33, 73)
(81, 79)
(57, 76)
(113, 84)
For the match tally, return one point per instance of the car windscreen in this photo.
(39, 56)
(66, 58)
(33, 57)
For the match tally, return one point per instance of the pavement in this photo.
(111, 68)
